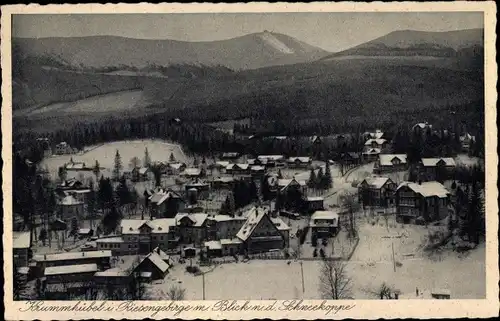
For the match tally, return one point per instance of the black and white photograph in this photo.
(248, 156)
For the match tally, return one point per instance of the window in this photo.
(161, 238)
(129, 246)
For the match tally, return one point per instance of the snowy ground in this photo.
(105, 154)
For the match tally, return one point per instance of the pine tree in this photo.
(123, 192)
(311, 183)
(280, 176)
(96, 170)
(62, 173)
(147, 158)
(320, 178)
(228, 207)
(118, 166)
(327, 177)
(172, 159)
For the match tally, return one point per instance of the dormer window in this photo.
(159, 228)
(130, 229)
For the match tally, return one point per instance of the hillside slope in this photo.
(419, 43)
(247, 52)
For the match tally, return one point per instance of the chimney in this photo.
(419, 182)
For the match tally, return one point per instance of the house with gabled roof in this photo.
(165, 203)
(191, 227)
(238, 169)
(436, 168)
(376, 191)
(262, 233)
(154, 264)
(299, 162)
(422, 201)
(387, 163)
(371, 154)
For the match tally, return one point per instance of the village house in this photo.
(223, 226)
(379, 143)
(378, 134)
(191, 172)
(221, 166)
(100, 258)
(191, 227)
(202, 189)
(324, 224)
(141, 236)
(387, 163)
(165, 203)
(153, 264)
(21, 242)
(223, 247)
(349, 158)
(436, 169)
(70, 273)
(376, 191)
(314, 203)
(112, 278)
(299, 162)
(270, 160)
(141, 174)
(371, 154)
(262, 233)
(224, 182)
(175, 168)
(422, 201)
(70, 207)
(63, 148)
(422, 129)
(257, 170)
(230, 155)
(467, 140)
(285, 185)
(238, 169)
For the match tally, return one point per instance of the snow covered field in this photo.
(105, 154)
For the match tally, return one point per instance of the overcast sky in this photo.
(330, 31)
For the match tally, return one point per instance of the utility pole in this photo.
(393, 258)
(302, 274)
(203, 278)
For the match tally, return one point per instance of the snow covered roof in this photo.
(386, 159)
(255, 215)
(468, 137)
(225, 218)
(314, 198)
(70, 269)
(157, 261)
(305, 159)
(271, 157)
(176, 166)
(375, 181)
(213, 245)
(222, 164)
(69, 201)
(230, 154)
(372, 151)
(161, 225)
(427, 189)
(161, 196)
(284, 183)
(75, 166)
(112, 273)
(242, 166)
(164, 256)
(197, 218)
(431, 162)
(113, 239)
(379, 141)
(71, 256)
(84, 231)
(422, 125)
(230, 241)
(324, 215)
(21, 240)
(280, 224)
(224, 179)
(143, 170)
(376, 135)
(191, 172)
(257, 168)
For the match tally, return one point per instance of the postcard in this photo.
(250, 161)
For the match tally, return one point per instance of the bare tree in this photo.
(334, 283)
(350, 204)
(176, 293)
